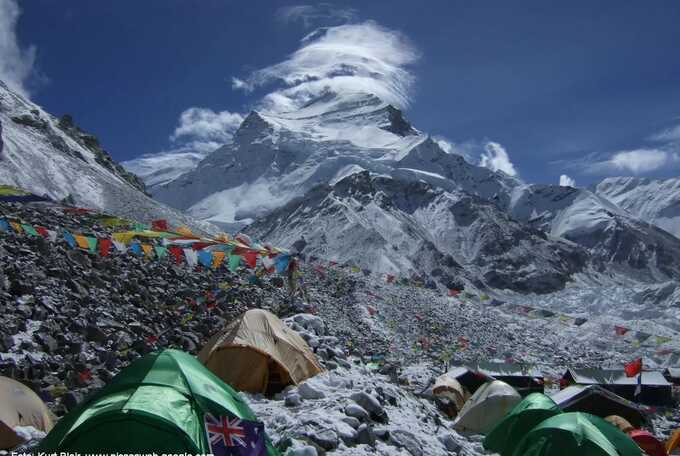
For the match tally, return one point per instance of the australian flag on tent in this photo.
(231, 436)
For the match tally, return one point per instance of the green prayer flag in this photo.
(660, 340)
(141, 226)
(92, 242)
(29, 230)
(160, 251)
(234, 262)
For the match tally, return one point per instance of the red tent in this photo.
(648, 442)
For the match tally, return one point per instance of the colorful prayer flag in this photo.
(136, 248)
(148, 250)
(159, 225)
(234, 262)
(176, 252)
(92, 244)
(29, 230)
(104, 246)
(82, 242)
(660, 340)
(205, 258)
(250, 259)
(68, 237)
(218, 258)
(16, 226)
(4, 225)
(160, 251)
(191, 257)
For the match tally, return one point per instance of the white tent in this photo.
(490, 403)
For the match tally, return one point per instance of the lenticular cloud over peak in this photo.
(362, 57)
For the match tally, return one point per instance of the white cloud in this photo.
(566, 181)
(362, 57)
(496, 158)
(309, 15)
(201, 128)
(465, 150)
(640, 160)
(16, 64)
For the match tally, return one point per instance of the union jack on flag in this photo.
(223, 429)
(230, 435)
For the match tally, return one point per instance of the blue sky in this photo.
(587, 89)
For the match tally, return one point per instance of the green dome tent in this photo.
(533, 409)
(166, 402)
(576, 433)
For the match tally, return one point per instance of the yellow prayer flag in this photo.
(184, 231)
(16, 226)
(82, 242)
(148, 250)
(124, 237)
(218, 257)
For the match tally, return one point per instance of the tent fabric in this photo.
(615, 377)
(673, 441)
(469, 379)
(600, 402)
(258, 353)
(163, 402)
(620, 423)
(576, 433)
(20, 406)
(531, 411)
(449, 388)
(486, 407)
(649, 444)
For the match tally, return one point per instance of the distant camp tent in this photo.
(600, 402)
(469, 378)
(20, 406)
(672, 374)
(486, 407)
(650, 444)
(533, 409)
(258, 353)
(448, 390)
(524, 378)
(165, 402)
(655, 389)
(620, 423)
(673, 442)
(576, 434)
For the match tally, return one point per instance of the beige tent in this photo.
(258, 353)
(620, 423)
(451, 391)
(19, 406)
(490, 403)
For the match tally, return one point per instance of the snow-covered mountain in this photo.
(390, 224)
(53, 157)
(161, 168)
(352, 157)
(653, 201)
(276, 157)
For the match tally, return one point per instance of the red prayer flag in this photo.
(177, 253)
(104, 246)
(151, 340)
(371, 310)
(42, 231)
(390, 278)
(159, 225)
(454, 292)
(620, 330)
(633, 368)
(250, 258)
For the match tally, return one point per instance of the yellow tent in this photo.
(19, 406)
(258, 353)
(620, 423)
(449, 388)
(673, 441)
(490, 403)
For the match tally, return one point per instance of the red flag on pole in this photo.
(633, 368)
